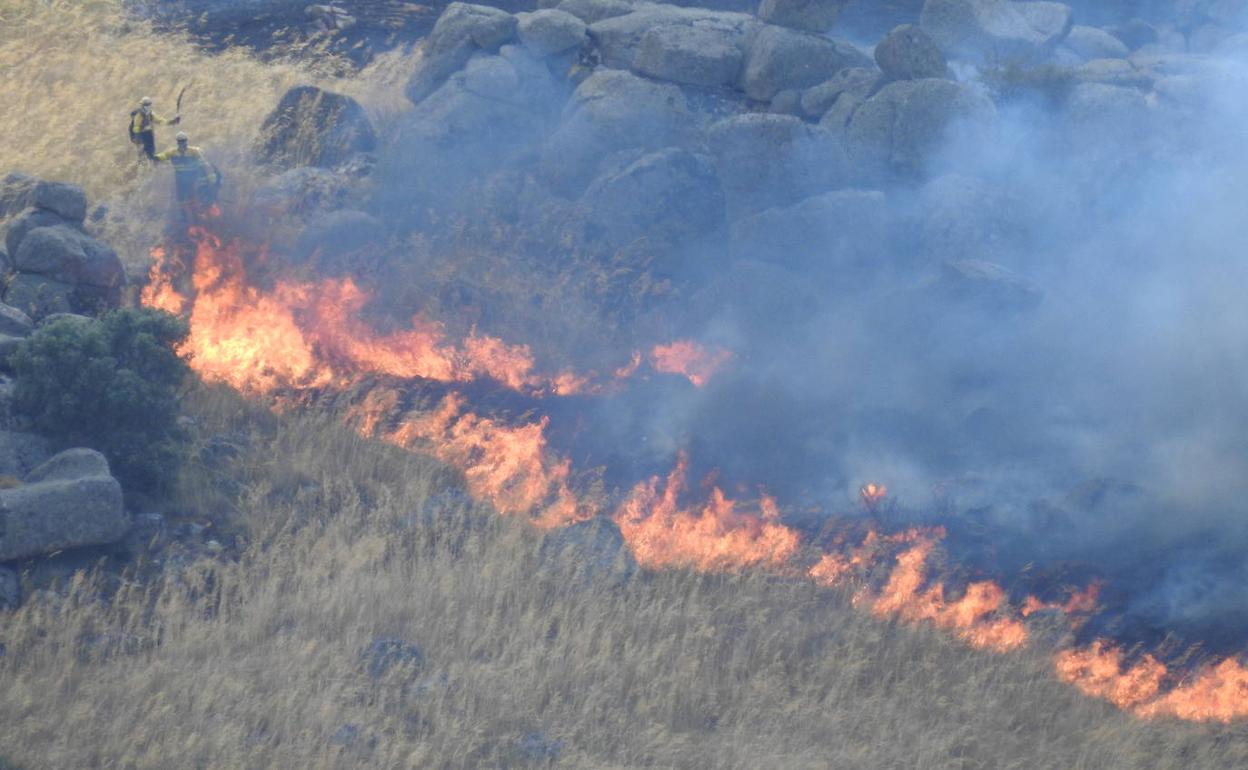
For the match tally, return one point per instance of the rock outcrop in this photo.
(996, 29)
(68, 501)
(312, 127)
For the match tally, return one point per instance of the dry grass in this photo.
(257, 663)
(71, 71)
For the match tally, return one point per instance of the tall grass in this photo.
(71, 72)
(256, 661)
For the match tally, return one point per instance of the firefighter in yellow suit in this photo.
(195, 179)
(143, 122)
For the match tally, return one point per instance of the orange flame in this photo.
(873, 494)
(1080, 602)
(714, 538)
(690, 360)
(509, 466)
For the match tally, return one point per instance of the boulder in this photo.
(703, 54)
(1135, 33)
(988, 286)
(839, 229)
(62, 253)
(77, 504)
(69, 465)
(902, 127)
(65, 200)
(773, 160)
(963, 217)
(306, 190)
(14, 322)
(618, 38)
(312, 127)
(462, 30)
(10, 591)
(590, 11)
(20, 453)
(855, 83)
(17, 193)
(781, 58)
(38, 296)
(909, 53)
(613, 110)
(670, 197)
(1106, 116)
(806, 15)
(1116, 72)
(996, 29)
(28, 220)
(1094, 43)
(550, 31)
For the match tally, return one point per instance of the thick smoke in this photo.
(1040, 339)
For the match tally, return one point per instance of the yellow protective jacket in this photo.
(141, 120)
(189, 163)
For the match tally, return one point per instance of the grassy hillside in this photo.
(257, 663)
(71, 71)
(256, 658)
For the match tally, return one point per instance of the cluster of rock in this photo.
(622, 124)
(51, 264)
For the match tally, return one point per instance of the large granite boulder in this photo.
(312, 127)
(669, 197)
(17, 193)
(708, 53)
(781, 59)
(71, 500)
(842, 94)
(61, 269)
(590, 11)
(610, 111)
(909, 53)
(806, 15)
(550, 31)
(67, 201)
(839, 229)
(29, 220)
(996, 29)
(900, 129)
(1095, 43)
(462, 30)
(686, 31)
(768, 160)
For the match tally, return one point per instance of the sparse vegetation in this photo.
(111, 385)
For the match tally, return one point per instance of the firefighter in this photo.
(143, 122)
(196, 180)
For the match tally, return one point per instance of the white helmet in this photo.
(146, 101)
(181, 137)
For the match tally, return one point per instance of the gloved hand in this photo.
(177, 119)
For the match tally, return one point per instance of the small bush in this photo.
(111, 385)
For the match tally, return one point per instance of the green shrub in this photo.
(111, 385)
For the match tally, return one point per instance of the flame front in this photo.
(714, 537)
(690, 360)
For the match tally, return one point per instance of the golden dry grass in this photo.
(256, 663)
(72, 70)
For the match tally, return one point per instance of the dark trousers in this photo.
(148, 140)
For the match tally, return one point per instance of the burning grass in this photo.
(256, 661)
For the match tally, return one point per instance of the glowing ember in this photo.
(690, 360)
(713, 537)
(873, 494)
